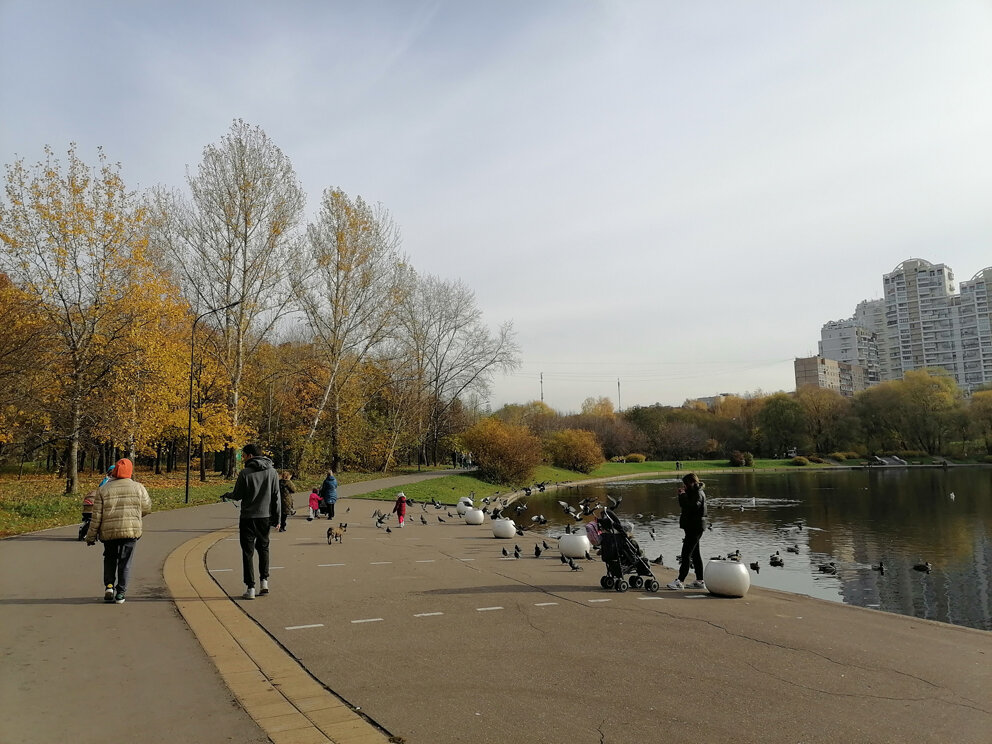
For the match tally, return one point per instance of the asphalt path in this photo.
(438, 638)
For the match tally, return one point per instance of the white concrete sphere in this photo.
(726, 578)
(574, 546)
(474, 516)
(504, 528)
(463, 505)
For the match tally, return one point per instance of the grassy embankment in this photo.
(36, 502)
(450, 488)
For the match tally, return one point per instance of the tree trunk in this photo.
(158, 458)
(72, 473)
(203, 463)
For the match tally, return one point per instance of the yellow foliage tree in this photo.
(73, 239)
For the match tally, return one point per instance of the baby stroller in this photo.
(622, 556)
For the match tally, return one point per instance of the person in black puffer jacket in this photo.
(692, 501)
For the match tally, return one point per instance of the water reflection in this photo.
(856, 519)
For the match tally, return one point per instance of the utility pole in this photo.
(619, 407)
(542, 387)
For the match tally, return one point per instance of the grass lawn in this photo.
(36, 502)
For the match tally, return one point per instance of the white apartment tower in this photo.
(920, 323)
(974, 325)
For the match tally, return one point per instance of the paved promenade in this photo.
(428, 634)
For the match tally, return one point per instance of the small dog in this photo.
(336, 534)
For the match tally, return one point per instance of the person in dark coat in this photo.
(329, 493)
(286, 491)
(257, 488)
(692, 501)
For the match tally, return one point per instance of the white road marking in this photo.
(466, 559)
(650, 597)
(379, 563)
(600, 600)
(273, 568)
(218, 570)
(544, 604)
(427, 561)
(429, 614)
(487, 609)
(368, 620)
(302, 627)
(324, 565)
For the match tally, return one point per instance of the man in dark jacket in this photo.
(257, 488)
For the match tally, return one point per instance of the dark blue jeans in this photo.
(690, 555)
(254, 533)
(117, 555)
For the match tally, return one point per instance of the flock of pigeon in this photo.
(498, 507)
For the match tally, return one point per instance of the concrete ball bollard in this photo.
(574, 546)
(504, 528)
(726, 578)
(474, 516)
(463, 505)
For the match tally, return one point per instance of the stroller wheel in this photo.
(636, 582)
(621, 586)
(603, 580)
(607, 582)
(651, 585)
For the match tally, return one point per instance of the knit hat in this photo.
(401, 495)
(124, 468)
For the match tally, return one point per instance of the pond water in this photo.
(856, 519)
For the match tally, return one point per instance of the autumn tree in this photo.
(536, 415)
(980, 411)
(598, 407)
(825, 413)
(350, 280)
(451, 351)
(928, 402)
(231, 242)
(782, 422)
(504, 453)
(74, 240)
(574, 449)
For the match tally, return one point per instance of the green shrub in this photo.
(816, 458)
(740, 459)
(988, 459)
(504, 453)
(636, 457)
(618, 458)
(838, 456)
(574, 449)
(799, 461)
(909, 454)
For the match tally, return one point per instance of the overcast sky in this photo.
(673, 194)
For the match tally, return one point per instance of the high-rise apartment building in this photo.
(919, 323)
(846, 379)
(974, 325)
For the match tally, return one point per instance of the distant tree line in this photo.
(922, 414)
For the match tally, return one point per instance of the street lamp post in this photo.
(189, 425)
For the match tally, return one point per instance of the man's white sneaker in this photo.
(249, 593)
(697, 584)
(676, 585)
(264, 587)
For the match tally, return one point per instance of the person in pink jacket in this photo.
(314, 505)
(400, 508)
